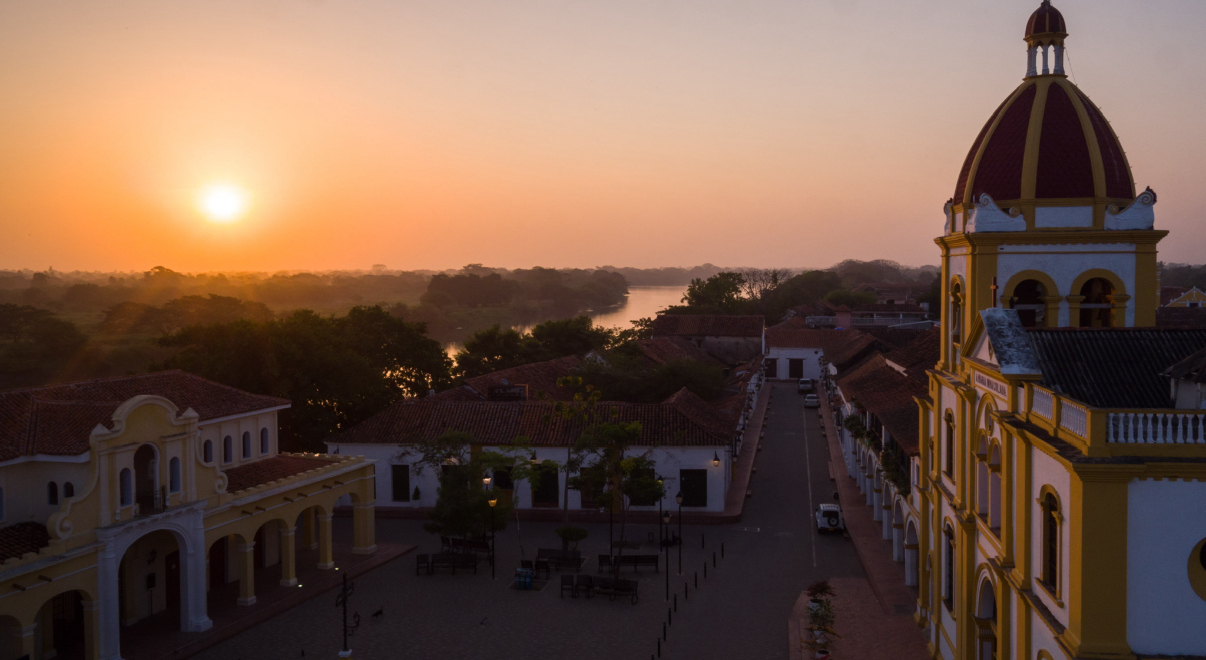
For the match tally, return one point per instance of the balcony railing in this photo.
(1156, 428)
(1073, 418)
(1043, 404)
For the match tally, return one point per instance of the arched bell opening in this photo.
(1097, 308)
(1027, 299)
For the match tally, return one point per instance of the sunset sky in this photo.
(430, 134)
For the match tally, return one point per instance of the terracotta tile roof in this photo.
(540, 377)
(661, 350)
(501, 422)
(847, 354)
(887, 394)
(703, 413)
(798, 335)
(271, 469)
(919, 355)
(892, 338)
(18, 539)
(58, 419)
(891, 308)
(1113, 367)
(707, 325)
(1192, 368)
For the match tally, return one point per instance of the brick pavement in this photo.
(873, 613)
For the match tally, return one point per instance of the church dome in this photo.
(1046, 141)
(1046, 144)
(1045, 20)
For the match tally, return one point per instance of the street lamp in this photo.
(666, 520)
(679, 498)
(715, 460)
(492, 501)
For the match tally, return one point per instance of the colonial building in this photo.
(129, 500)
(1062, 508)
(731, 339)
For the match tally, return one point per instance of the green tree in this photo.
(722, 291)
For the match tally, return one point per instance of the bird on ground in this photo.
(379, 613)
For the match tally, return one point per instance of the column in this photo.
(1118, 300)
(364, 529)
(288, 556)
(194, 598)
(91, 627)
(1051, 315)
(46, 623)
(325, 560)
(1074, 310)
(897, 542)
(911, 568)
(309, 533)
(109, 628)
(1059, 58)
(29, 638)
(247, 573)
(886, 514)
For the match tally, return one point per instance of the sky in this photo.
(430, 134)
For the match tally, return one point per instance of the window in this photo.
(950, 445)
(1097, 308)
(68, 489)
(263, 441)
(52, 494)
(956, 313)
(208, 451)
(502, 479)
(246, 444)
(227, 449)
(174, 475)
(1051, 520)
(126, 481)
(400, 475)
(694, 487)
(948, 567)
(1028, 300)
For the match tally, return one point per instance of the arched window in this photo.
(1051, 520)
(948, 567)
(949, 467)
(956, 317)
(126, 481)
(995, 492)
(208, 451)
(52, 494)
(1028, 300)
(174, 475)
(1097, 309)
(264, 441)
(982, 479)
(227, 449)
(246, 444)
(68, 489)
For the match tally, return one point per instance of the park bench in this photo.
(616, 587)
(638, 561)
(453, 561)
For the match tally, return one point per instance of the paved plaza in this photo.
(740, 610)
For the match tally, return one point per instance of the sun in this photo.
(221, 202)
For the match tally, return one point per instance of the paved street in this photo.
(740, 610)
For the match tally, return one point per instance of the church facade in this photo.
(1061, 488)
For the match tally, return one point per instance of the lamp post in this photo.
(666, 520)
(492, 501)
(679, 498)
(661, 539)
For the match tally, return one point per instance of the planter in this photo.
(822, 654)
(814, 603)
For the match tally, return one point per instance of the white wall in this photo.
(1065, 263)
(235, 429)
(811, 357)
(1165, 520)
(25, 491)
(1046, 471)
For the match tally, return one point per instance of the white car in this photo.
(829, 518)
(812, 401)
(805, 385)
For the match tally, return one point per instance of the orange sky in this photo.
(430, 134)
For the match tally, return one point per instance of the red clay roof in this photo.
(271, 469)
(793, 335)
(887, 394)
(707, 325)
(18, 539)
(919, 355)
(502, 422)
(58, 419)
(661, 350)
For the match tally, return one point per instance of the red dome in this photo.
(1045, 20)
(1068, 153)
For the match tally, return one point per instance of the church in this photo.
(1062, 507)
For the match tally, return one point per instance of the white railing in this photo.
(1043, 404)
(1074, 418)
(1156, 428)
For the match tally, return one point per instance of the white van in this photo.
(805, 385)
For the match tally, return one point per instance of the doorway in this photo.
(171, 580)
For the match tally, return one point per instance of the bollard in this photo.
(713, 560)
(659, 648)
(663, 630)
(669, 616)
(686, 591)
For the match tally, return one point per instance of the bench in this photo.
(638, 561)
(616, 587)
(452, 561)
(559, 559)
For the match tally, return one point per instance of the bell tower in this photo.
(1045, 218)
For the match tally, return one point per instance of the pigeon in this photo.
(379, 613)
(484, 621)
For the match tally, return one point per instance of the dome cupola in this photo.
(1045, 30)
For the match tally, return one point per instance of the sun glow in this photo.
(222, 202)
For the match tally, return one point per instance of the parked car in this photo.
(829, 518)
(812, 401)
(805, 385)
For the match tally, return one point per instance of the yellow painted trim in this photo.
(1030, 156)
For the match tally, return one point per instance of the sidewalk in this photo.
(874, 613)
